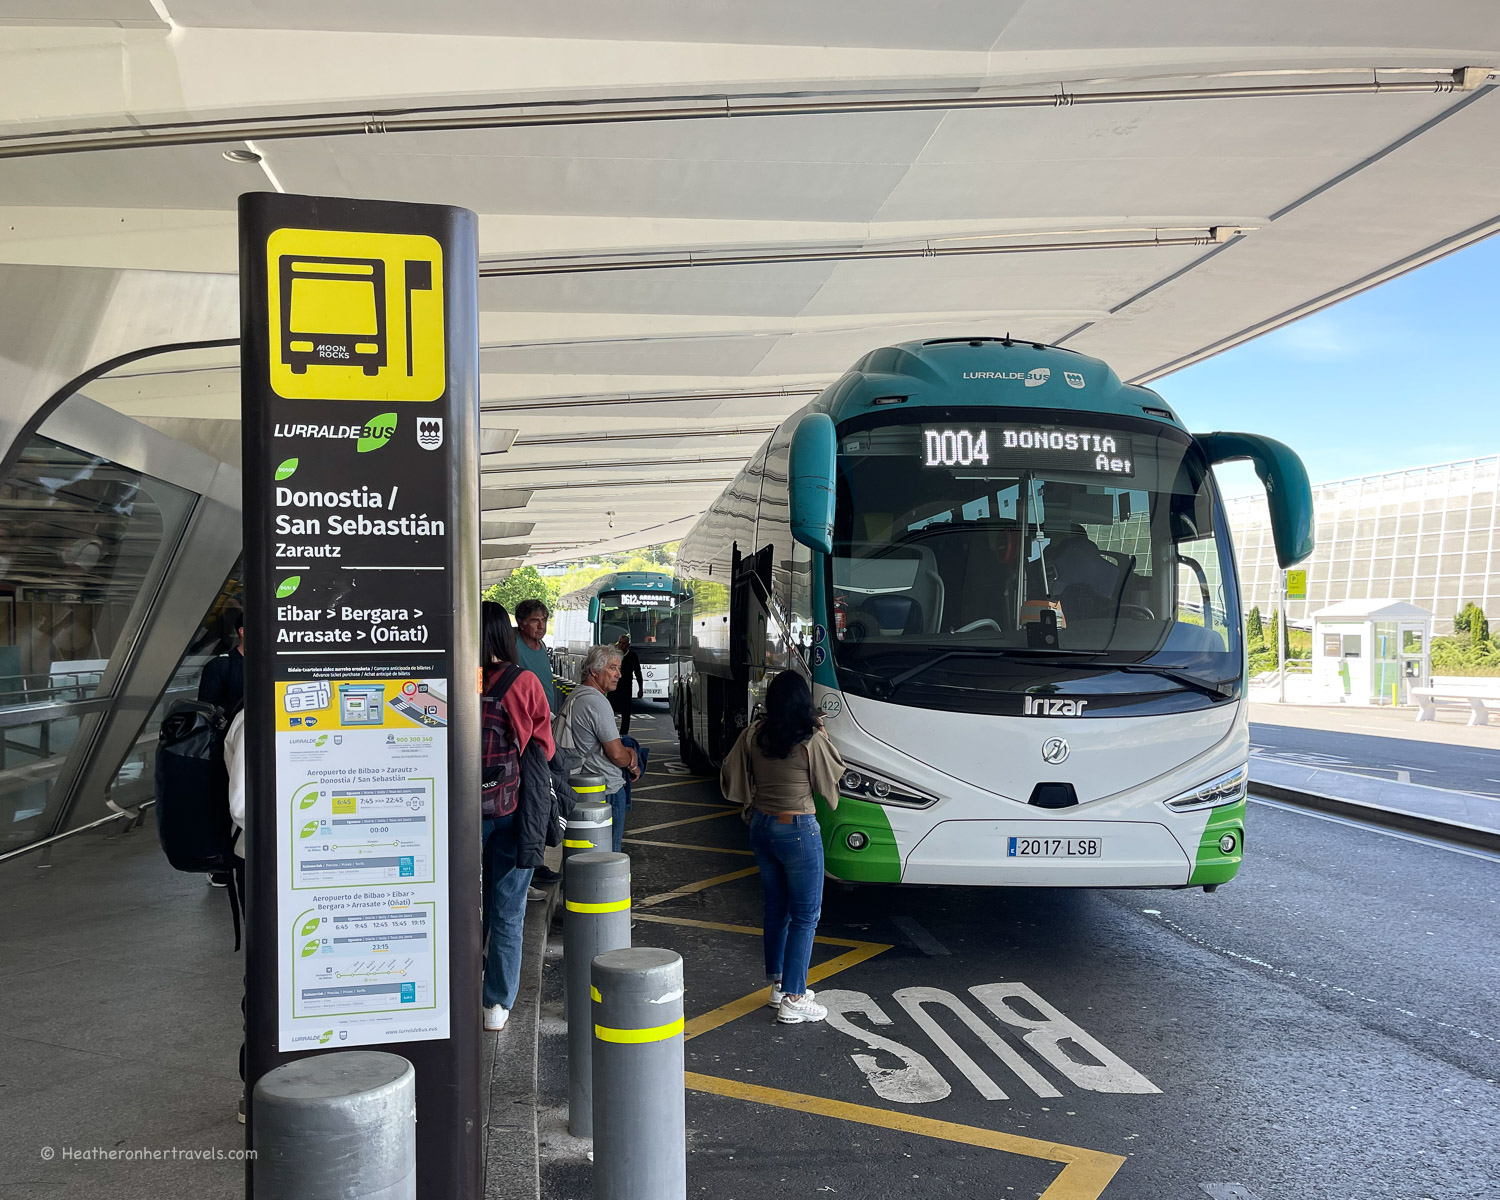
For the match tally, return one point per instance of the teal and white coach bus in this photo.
(641, 604)
(1010, 581)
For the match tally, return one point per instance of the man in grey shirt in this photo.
(591, 721)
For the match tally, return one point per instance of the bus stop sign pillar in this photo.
(359, 371)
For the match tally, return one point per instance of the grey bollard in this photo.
(339, 1126)
(588, 829)
(640, 1118)
(597, 918)
(588, 787)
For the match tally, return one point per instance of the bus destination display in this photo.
(1092, 451)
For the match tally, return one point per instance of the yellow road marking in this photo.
(745, 1005)
(724, 812)
(857, 953)
(688, 889)
(689, 846)
(1085, 1174)
(753, 931)
(696, 924)
(645, 787)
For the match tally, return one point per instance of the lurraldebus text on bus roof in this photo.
(1104, 452)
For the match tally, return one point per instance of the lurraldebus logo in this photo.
(376, 433)
(1038, 376)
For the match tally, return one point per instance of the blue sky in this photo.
(1399, 376)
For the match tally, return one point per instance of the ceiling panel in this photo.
(120, 13)
(937, 24)
(648, 356)
(756, 291)
(1044, 24)
(192, 177)
(663, 362)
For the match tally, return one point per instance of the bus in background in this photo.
(642, 604)
(1009, 579)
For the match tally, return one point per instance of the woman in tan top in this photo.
(774, 771)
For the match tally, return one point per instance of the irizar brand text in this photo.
(1048, 706)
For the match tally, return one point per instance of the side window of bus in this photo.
(1200, 596)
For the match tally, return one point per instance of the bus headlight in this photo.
(861, 783)
(856, 841)
(1228, 788)
(1227, 843)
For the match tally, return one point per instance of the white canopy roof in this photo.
(695, 215)
(1373, 610)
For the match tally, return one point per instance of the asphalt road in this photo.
(1327, 1026)
(1460, 768)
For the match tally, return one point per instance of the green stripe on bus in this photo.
(1213, 865)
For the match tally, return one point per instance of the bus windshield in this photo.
(649, 618)
(988, 553)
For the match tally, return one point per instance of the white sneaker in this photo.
(794, 1012)
(777, 993)
(495, 1016)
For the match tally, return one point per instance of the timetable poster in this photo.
(361, 769)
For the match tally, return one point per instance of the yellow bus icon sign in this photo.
(355, 316)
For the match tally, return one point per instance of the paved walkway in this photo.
(1380, 758)
(1450, 729)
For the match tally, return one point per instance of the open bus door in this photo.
(750, 578)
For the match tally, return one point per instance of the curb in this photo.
(512, 1169)
(1474, 836)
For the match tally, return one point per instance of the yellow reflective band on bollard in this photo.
(594, 992)
(574, 844)
(659, 1033)
(580, 906)
(591, 788)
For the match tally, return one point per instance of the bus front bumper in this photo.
(1049, 854)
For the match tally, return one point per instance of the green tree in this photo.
(652, 558)
(1255, 633)
(1470, 622)
(524, 583)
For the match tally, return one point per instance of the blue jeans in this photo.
(504, 900)
(619, 805)
(790, 857)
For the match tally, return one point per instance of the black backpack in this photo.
(192, 794)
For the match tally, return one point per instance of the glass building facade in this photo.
(1425, 535)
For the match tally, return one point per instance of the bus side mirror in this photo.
(811, 484)
(1288, 492)
(593, 610)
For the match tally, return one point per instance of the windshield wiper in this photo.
(932, 662)
(1130, 668)
(1172, 673)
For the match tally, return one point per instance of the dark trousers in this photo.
(620, 702)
